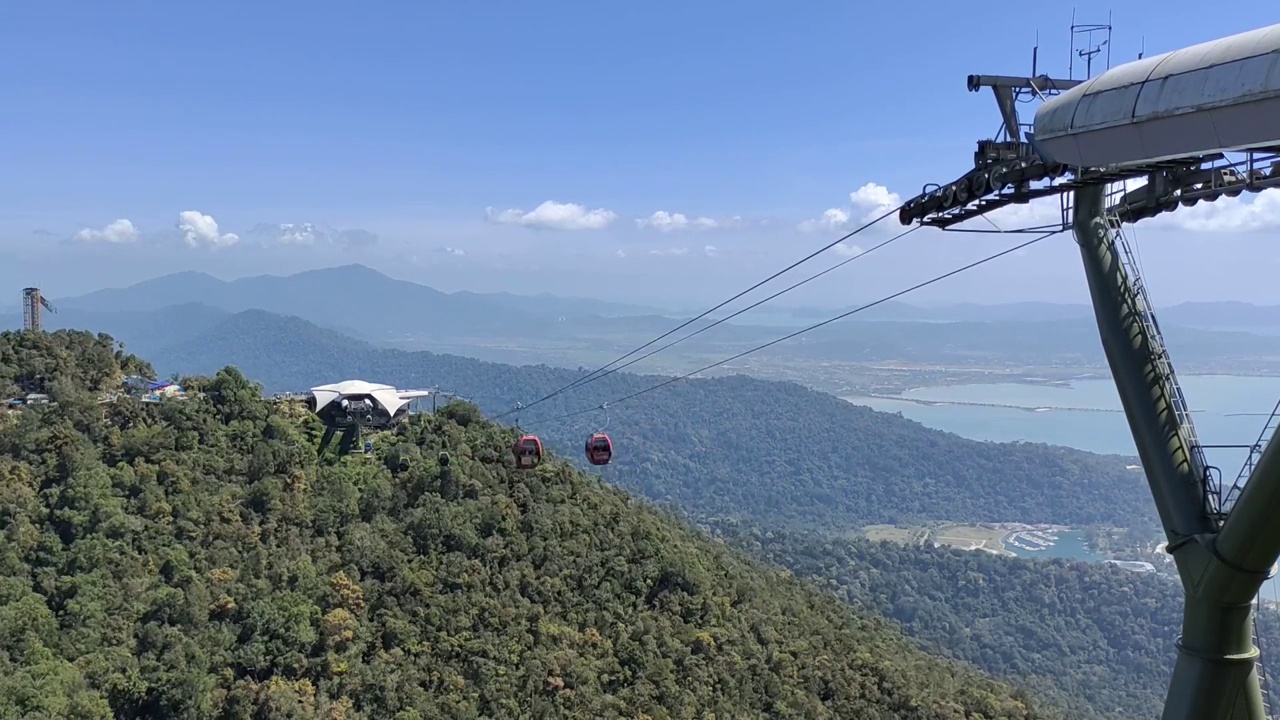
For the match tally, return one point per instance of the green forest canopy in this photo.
(193, 559)
(726, 447)
(1095, 639)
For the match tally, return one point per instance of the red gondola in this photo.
(528, 452)
(599, 449)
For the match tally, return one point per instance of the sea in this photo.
(1085, 414)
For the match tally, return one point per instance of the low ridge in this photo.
(733, 446)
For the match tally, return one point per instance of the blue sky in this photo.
(406, 121)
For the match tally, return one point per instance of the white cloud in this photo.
(458, 252)
(200, 229)
(847, 250)
(865, 204)
(621, 253)
(831, 220)
(710, 251)
(117, 232)
(664, 221)
(309, 234)
(874, 200)
(291, 234)
(669, 251)
(552, 215)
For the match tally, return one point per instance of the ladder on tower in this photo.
(1139, 300)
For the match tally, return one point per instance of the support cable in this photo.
(815, 326)
(591, 376)
(756, 304)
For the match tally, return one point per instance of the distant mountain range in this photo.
(358, 299)
(353, 300)
(358, 302)
(356, 293)
(352, 297)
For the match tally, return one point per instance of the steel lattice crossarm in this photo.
(1165, 187)
(1167, 120)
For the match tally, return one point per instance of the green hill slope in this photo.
(1096, 639)
(730, 446)
(191, 559)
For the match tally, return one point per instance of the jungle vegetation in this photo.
(193, 558)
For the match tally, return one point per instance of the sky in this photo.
(659, 152)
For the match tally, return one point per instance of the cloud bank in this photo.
(200, 230)
(310, 235)
(865, 204)
(117, 232)
(664, 221)
(552, 215)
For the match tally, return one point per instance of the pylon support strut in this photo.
(1148, 401)
(1215, 676)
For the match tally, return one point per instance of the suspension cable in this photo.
(754, 305)
(815, 326)
(589, 377)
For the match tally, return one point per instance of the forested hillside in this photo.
(732, 446)
(1094, 638)
(192, 559)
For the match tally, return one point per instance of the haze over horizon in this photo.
(186, 290)
(601, 152)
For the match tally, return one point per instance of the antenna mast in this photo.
(1087, 41)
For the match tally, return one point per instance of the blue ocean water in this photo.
(1070, 545)
(1226, 410)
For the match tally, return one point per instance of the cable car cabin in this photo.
(599, 449)
(528, 452)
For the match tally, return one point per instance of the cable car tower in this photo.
(351, 406)
(1196, 125)
(32, 303)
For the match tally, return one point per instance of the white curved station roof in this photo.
(1212, 97)
(385, 395)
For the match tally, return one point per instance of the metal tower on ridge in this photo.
(32, 303)
(1144, 121)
